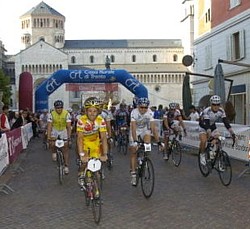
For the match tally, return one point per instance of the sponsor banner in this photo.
(92, 87)
(4, 156)
(239, 151)
(27, 134)
(15, 144)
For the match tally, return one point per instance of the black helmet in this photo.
(58, 103)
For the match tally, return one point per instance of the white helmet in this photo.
(215, 99)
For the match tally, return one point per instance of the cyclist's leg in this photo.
(202, 146)
(133, 147)
(64, 136)
(166, 140)
(54, 135)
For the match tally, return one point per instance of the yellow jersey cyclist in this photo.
(91, 135)
(59, 125)
(142, 124)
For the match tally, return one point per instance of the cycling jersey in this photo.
(142, 120)
(91, 130)
(121, 118)
(59, 121)
(209, 117)
(171, 116)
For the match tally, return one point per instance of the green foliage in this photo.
(5, 87)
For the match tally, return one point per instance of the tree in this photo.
(5, 87)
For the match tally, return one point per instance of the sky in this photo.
(98, 19)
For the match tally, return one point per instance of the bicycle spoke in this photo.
(224, 169)
(96, 201)
(147, 178)
(176, 153)
(203, 165)
(60, 164)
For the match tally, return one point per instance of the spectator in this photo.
(194, 115)
(21, 120)
(4, 121)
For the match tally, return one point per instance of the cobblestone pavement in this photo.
(182, 197)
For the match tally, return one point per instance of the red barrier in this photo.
(14, 139)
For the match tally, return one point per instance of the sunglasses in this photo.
(59, 107)
(143, 107)
(216, 105)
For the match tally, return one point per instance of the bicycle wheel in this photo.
(203, 166)
(224, 168)
(110, 160)
(96, 201)
(60, 163)
(124, 145)
(176, 153)
(147, 178)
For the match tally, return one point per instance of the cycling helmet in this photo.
(92, 102)
(172, 106)
(215, 99)
(70, 110)
(58, 103)
(143, 101)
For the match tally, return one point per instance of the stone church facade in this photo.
(157, 63)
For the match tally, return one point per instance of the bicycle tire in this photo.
(224, 168)
(147, 178)
(124, 145)
(60, 163)
(204, 169)
(96, 201)
(110, 161)
(176, 153)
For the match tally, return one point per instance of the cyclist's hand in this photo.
(104, 157)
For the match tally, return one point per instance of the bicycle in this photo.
(145, 169)
(174, 149)
(123, 139)
(110, 159)
(216, 159)
(92, 187)
(59, 144)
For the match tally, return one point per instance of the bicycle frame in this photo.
(92, 188)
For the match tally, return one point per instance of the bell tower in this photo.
(42, 22)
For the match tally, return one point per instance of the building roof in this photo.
(42, 9)
(135, 43)
(138, 68)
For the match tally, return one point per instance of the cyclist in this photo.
(43, 121)
(209, 116)
(172, 121)
(91, 135)
(142, 125)
(59, 125)
(121, 118)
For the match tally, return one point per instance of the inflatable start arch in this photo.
(86, 76)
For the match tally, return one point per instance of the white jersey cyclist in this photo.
(142, 122)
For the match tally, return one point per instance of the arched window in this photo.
(73, 59)
(91, 59)
(154, 58)
(175, 58)
(112, 58)
(134, 58)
